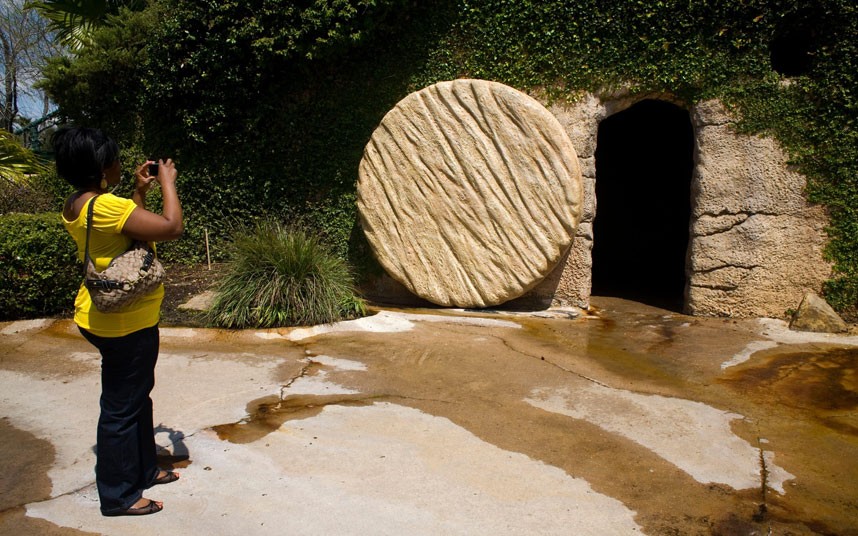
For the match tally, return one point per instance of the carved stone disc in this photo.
(469, 193)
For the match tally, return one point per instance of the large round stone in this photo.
(469, 193)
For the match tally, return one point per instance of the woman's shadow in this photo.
(173, 456)
(176, 455)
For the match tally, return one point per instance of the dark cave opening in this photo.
(644, 162)
(790, 53)
(800, 34)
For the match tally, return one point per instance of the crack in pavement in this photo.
(302, 373)
(552, 363)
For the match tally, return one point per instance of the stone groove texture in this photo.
(469, 193)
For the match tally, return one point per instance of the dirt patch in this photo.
(184, 281)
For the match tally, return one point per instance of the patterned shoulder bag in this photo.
(129, 277)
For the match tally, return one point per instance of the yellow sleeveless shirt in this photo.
(107, 241)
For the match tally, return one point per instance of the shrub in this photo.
(317, 77)
(279, 275)
(23, 196)
(38, 264)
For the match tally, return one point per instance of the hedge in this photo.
(39, 271)
(268, 104)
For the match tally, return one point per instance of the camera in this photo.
(153, 170)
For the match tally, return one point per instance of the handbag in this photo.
(129, 276)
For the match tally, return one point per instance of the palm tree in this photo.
(76, 20)
(16, 161)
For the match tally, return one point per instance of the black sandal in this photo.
(166, 479)
(151, 508)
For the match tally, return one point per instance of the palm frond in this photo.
(16, 161)
(72, 20)
(75, 21)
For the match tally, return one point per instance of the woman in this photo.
(127, 340)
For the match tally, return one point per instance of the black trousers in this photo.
(125, 450)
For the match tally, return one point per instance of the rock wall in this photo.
(755, 244)
(569, 283)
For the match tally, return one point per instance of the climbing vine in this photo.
(267, 104)
(788, 69)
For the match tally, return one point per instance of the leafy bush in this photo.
(282, 276)
(842, 293)
(23, 196)
(86, 83)
(317, 77)
(39, 272)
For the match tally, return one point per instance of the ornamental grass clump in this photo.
(279, 275)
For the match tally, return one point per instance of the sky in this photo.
(24, 31)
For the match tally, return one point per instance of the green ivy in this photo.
(267, 104)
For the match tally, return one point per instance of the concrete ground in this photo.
(627, 420)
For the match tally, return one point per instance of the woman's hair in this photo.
(82, 155)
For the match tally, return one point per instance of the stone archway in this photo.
(644, 165)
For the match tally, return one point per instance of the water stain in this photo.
(15, 522)
(268, 414)
(837, 424)
(823, 382)
(170, 463)
(807, 397)
(24, 463)
(733, 525)
(479, 378)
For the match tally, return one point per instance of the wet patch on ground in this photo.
(16, 522)
(823, 381)
(347, 396)
(24, 463)
(45, 353)
(268, 414)
(482, 381)
(807, 400)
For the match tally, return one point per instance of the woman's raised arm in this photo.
(148, 226)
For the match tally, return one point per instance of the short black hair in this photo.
(82, 154)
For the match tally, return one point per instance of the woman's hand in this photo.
(148, 226)
(167, 173)
(142, 179)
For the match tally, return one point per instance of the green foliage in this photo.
(20, 189)
(75, 21)
(213, 52)
(282, 276)
(16, 161)
(23, 196)
(103, 84)
(267, 104)
(53, 188)
(309, 101)
(815, 116)
(39, 272)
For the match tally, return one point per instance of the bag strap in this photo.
(86, 258)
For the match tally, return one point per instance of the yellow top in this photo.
(105, 242)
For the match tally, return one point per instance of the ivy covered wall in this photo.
(267, 104)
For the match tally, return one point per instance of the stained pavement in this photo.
(629, 420)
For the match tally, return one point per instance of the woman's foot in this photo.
(142, 507)
(165, 477)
